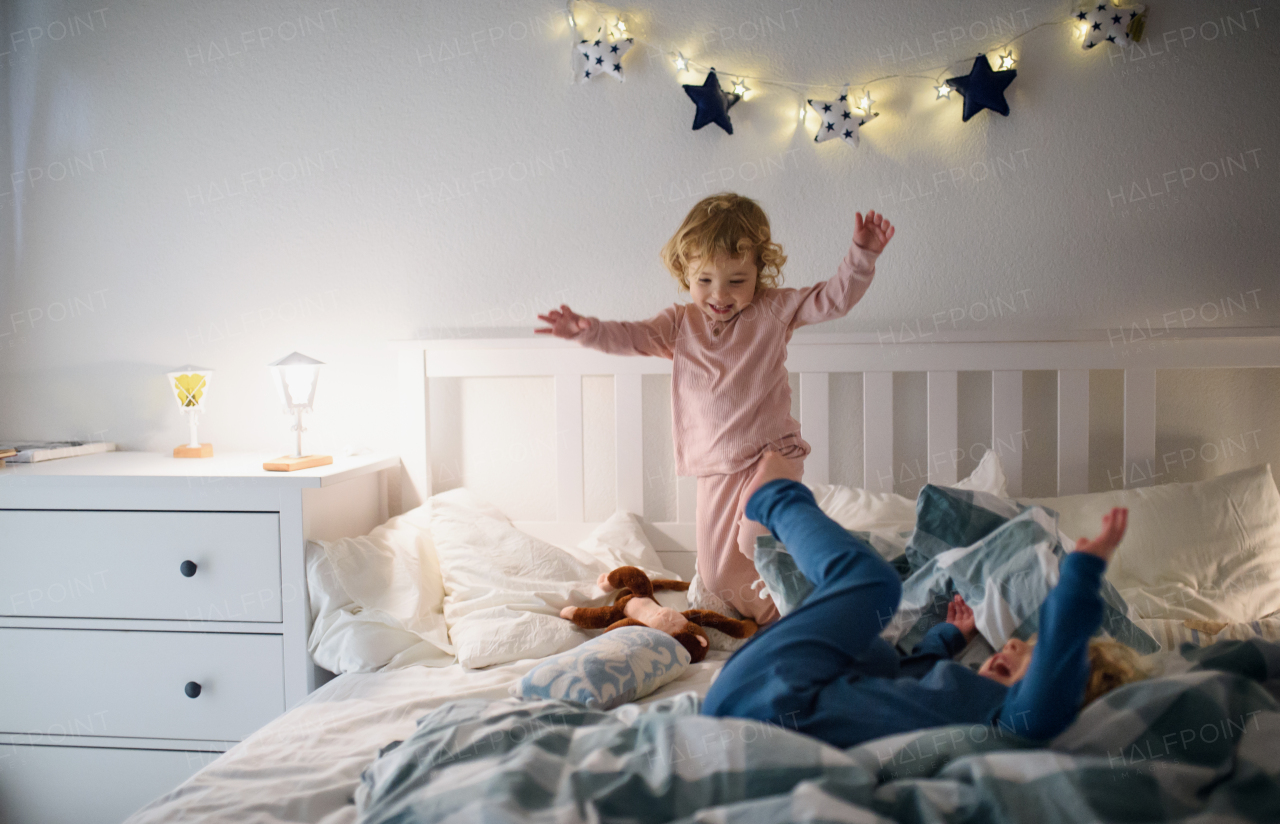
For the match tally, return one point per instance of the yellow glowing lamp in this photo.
(295, 376)
(865, 102)
(190, 387)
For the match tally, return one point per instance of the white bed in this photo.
(305, 765)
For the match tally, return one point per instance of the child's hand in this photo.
(872, 234)
(960, 614)
(564, 323)
(1113, 526)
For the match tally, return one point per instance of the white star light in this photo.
(600, 55)
(839, 118)
(944, 91)
(1101, 22)
(682, 63)
(740, 88)
(1006, 61)
(865, 102)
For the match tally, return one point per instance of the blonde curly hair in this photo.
(1111, 665)
(724, 224)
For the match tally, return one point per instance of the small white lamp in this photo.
(295, 376)
(190, 387)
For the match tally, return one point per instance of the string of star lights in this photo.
(841, 114)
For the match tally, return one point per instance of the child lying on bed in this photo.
(730, 400)
(825, 670)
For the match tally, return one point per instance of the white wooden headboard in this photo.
(815, 357)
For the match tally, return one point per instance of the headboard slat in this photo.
(415, 440)
(1139, 426)
(1073, 431)
(628, 438)
(877, 431)
(942, 436)
(815, 409)
(569, 499)
(686, 499)
(1006, 424)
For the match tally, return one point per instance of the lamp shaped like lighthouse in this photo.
(295, 376)
(190, 387)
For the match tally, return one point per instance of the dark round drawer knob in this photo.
(188, 569)
(192, 689)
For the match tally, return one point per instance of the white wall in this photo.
(447, 175)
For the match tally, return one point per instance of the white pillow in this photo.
(376, 600)
(1208, 549)
(504, 589)
(886, 513)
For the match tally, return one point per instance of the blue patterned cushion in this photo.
(1001, 556)
(609, 670)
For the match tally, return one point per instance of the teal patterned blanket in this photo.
(1202, 744)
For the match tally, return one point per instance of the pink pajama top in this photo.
(730, 399)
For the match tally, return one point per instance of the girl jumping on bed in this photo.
(730, 399)
(825, 671)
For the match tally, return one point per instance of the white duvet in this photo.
(454, 580)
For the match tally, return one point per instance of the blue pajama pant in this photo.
(778, 676)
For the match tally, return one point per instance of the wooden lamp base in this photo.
(287, 464)
(205, 450)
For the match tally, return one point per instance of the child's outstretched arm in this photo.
(1048, 698)
(656, 336)
(835, 297)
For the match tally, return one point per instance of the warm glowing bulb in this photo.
(682, 64)
(803, 112)
(740, 88)
(622, 27)
(865, 102)
(943, 91)
(1007, 60)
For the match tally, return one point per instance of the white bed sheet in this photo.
(305, 765)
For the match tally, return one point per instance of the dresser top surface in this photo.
(152, 468)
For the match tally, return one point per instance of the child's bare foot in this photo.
(772, 466)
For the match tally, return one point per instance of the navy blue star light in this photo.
(713, 103)
(600, 55)
(1103, 23)
(983, 88)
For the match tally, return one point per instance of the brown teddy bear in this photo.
(635, 606)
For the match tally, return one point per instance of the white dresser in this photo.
(154, 611)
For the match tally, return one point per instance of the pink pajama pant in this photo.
(727, 539)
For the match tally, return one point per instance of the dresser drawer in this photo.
(131, 683)
(106, 564)
(86, 785)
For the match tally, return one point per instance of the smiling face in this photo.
(724, 286)
(1009, 664)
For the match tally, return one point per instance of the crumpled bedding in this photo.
(1193, 745)
(305, 765)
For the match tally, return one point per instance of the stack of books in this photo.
(50, 450)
